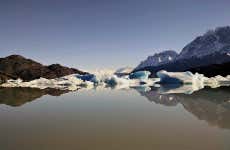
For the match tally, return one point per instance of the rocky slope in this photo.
(16, 66)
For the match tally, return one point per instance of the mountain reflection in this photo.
(211, 105)
(18, 96)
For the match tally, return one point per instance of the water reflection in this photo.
(19, 96)
(211, 105)
(101, 118)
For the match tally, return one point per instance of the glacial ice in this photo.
(170, 82)
(76, 81)
(69, 82)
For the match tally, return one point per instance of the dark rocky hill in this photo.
(16, 66)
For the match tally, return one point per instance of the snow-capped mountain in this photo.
(213, 41)
(158, 59)
(209, 50)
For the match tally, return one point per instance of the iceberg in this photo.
(196, 81)
(180, 77)
(116, 81)
(142, 75)
(88, 77)
(100, 75)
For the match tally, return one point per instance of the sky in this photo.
(94, 34)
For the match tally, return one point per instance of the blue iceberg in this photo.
(142, 75)
(88, 77)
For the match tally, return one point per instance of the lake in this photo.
(113, 119)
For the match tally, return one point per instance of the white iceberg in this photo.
(180, 77)
(191, 82)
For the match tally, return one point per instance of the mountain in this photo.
(195, 64)
(16, 66)
(158, 59)
(214, 41)
(207, 51)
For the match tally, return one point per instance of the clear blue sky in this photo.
(90, 34)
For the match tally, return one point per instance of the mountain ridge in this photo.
(158, 59)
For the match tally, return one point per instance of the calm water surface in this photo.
(107, 119)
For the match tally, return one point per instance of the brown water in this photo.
(114, 120)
